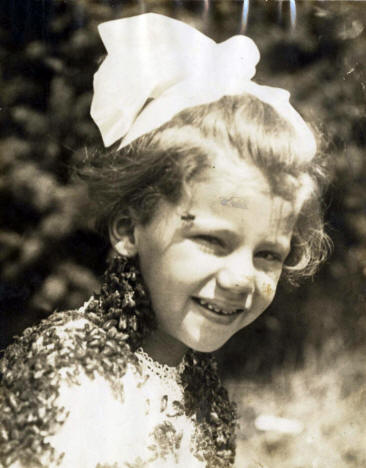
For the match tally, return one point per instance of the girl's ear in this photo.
(121, 235)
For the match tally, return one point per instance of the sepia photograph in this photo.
(182, 233)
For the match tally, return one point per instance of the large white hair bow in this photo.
(157, 66)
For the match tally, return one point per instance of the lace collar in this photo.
(163, 371)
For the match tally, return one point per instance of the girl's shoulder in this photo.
(61, 346)
(60, 368)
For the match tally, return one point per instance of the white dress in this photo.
(95, 410)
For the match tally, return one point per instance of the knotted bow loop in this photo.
(146, 55)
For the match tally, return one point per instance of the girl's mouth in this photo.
(215, 309)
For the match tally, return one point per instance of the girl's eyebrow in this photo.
(210, 226)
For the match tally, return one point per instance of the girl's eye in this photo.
(270, 256)
(208, 241)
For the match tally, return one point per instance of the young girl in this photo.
(211, 197)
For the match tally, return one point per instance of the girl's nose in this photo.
(237, 275)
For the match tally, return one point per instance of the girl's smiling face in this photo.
(213, 272)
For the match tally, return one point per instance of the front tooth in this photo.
(214, 308)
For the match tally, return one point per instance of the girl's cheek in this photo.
(268, 288)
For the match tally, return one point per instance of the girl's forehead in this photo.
(228, 173)
(231, 191)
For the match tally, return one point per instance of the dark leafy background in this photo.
(51, 257)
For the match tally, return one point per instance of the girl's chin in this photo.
(204, 340)
(206, 348)
(206, 333)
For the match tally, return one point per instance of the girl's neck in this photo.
(164, 349)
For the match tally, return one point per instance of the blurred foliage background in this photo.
(51, 258)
